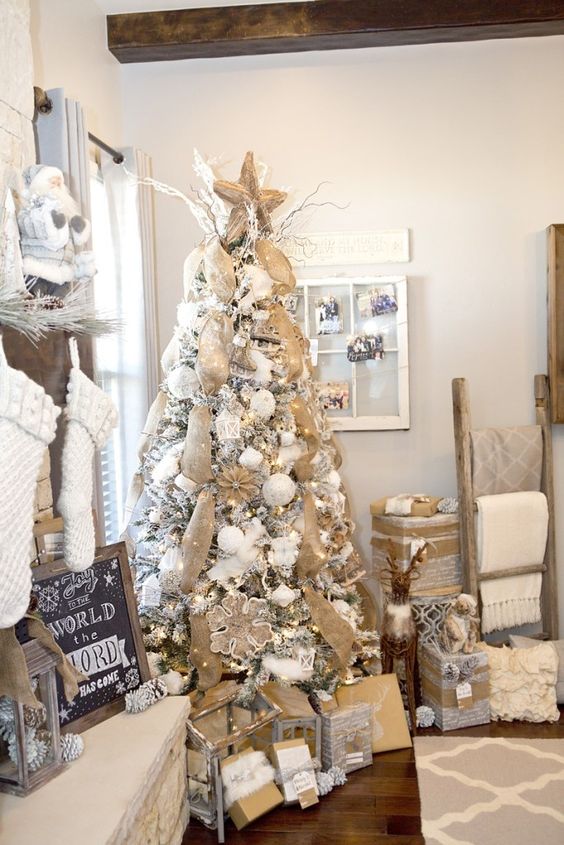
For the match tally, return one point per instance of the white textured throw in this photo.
(245, 776)
(27, 425)
(511, 532)
(91, 415)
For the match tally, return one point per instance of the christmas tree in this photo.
(245, 562)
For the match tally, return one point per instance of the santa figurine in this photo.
(53, 234)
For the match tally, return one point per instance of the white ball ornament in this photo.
(230, 538)
(182, 382)
(250, 458)
(278, 490)
(263, 404)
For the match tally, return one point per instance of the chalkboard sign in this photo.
(93, 618)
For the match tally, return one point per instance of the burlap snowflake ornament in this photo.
(237, 627)
(236, 485)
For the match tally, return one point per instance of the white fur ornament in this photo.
(263, 404)
(260, 286)
(286, 668)
(284, 550)
(168, 465)
(283, 596)
(263, 372)
(278, 490)
(333, 480)
(182, 382)
(174, 682)
(230, 538)
(187, 314)
(250, 458)
(287, 438)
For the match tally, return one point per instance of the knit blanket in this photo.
(511, 532)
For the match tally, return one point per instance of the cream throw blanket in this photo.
(511, 531)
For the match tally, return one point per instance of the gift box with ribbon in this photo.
(456, 687)
(295, 772)
(382, 693)
(347, 737)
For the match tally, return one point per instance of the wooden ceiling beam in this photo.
(324, 25)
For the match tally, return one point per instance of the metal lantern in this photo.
(228, 426)
(215, 731)
(307, 728)
(30, 745)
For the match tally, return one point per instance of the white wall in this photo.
(462, 143)
(69, 51)
(16, 91)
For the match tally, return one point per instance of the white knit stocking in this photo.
(91, 415)
(27, 425)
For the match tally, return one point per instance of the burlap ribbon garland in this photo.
(277, 266)
(197, 540)
(196, 456)
(332, 627)
(14, 677)
(214, 347)
(137, 483)
(218, 270)
(311, 557)
(208, 665)
(305, 422)
(281, 322)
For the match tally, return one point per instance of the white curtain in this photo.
(130, 359)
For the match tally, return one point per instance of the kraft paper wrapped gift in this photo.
(263, 797)
(347, 738)
(421, 506)
(456, 687)
(295, 772)
(389, 725)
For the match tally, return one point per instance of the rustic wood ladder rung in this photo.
(467, 504)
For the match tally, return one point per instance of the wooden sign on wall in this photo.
(93, 618)
(321, 249)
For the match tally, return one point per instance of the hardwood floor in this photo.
(378, 805)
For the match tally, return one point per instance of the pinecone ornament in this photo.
(338, 775)
(72, 746)
(144, 696)
(324, 783)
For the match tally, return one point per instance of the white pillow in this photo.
(527, 642)
(523, 683)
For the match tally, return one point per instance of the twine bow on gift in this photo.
(287, 774)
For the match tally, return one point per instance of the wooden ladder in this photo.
(467, 506)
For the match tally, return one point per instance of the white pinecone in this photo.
(324, 783)
(6, 717)
(338, 775)
(36, 750)
(138, 700)
(425, 716)
(72, 746)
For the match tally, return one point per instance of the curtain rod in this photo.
(117, 157)
(44, 105)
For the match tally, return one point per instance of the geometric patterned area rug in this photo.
(491, 791)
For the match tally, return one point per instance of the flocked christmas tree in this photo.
(245, 562)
